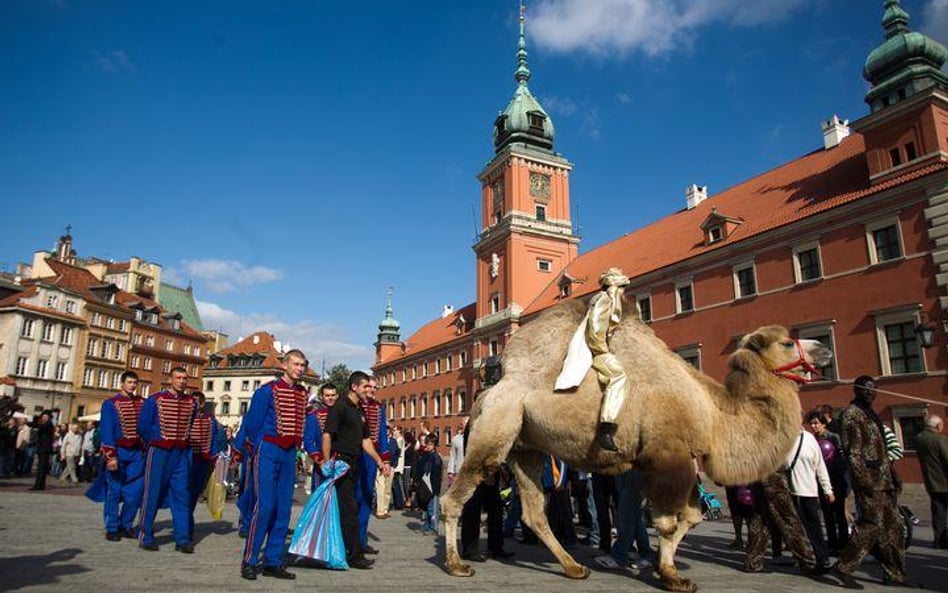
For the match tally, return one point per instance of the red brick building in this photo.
(848, 244)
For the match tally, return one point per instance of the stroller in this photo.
(711, 509)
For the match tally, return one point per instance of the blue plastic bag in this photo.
(318, 534)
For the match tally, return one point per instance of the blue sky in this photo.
(295, 159)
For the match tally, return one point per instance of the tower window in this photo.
(910, 153)
(541, 212)
(535, 120)
(896, 157)
(495, 302)
(544, 265)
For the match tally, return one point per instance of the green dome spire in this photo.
(523, 122)
(389, 327)
(906, 63)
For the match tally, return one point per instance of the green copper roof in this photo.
(905, 63)
(389, 326)
(180, 300)
(523, 121)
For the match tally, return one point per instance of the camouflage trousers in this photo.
(774, 510)
(879, 530)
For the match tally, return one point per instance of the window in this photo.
(541, 212)
(66, 336)
(91, 346)
(424, 369)
(81, 411)
(447, 363)
(535, 120)
(715, 234)
(166, 367)
(208, 386)
(745, 284)
(169, 345)
(462, 358)
(413, 406)
(243, 407)
(123, 325)
(110, 322)
(87, 377)
(116, 380)
(908, 421)
(824, 335)
(424, 406)
(187, 349)
(404, 374)
(544, 265)
(462, 401)
(110, 299)
(447, 436)
(910, 152)
(493, 348)
(896, 157)
(806, 263)
(447, 402)
(28, 326)
(150, 341)
(225, 408)
(52, 301)
(885, 242)
(437, 364)
(22, 363)
(645, 307)
(119, 351)
(226, 385)
(899, 351)
(690, 354)
(48, 329)
(147, 363)
(71, 307)
(256, 385)
(61, 371)
(684, 299)
(245, 385)
(402, 409)
(139, 315)
(102, 380)
(153, 318)
(137, 339)
(106, 349)
(135, 361)
(436, 403)
(495, 302)
(146, 389)
(414, 372)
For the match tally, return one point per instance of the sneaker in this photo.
(152, 547)
(113, 536)
(248, 572)
(607, 561)
(185, 548)
(362, 563)
(641, 564)
(367, 549)
(278, 572)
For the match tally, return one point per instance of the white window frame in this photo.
(448, 405)
(66, 337)
(49, 330)
(735, 269)
(690, 351)
(22, 365)
(71, 307)
(678, 286)
(647, 296)
(52, 301)
(906, 411)
(102, 380)
(435, 403)
(29, 327)
(797, 270)
(87, 376)
(544, 265)
(166, 367)
(905, 314)
(881, 223)
(61, 371)
(146, 364)
(494, 303)
(135, 361)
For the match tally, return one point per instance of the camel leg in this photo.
(671, 529)
(492, 434)
(670, 485)
(527, 468)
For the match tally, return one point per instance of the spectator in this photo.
(8, 434)
(398, 468)
(428, 471)
(24, 454)
(70, 452)
(932, 450)
(43, 429)
(808, 476)
(834, 513)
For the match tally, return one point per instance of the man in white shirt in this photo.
(70, 452)
(456, 457)
(806, 468)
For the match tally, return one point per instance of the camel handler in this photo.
(590, 347)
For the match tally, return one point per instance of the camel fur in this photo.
(741, 430)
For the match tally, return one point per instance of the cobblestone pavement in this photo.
(53, 540)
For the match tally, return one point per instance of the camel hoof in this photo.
(461, 570)
(577, 572)
(678, 583)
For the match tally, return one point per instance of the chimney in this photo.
(446, 310)
(278, 346)
(834, 131)
(256, 339)
(694, 195)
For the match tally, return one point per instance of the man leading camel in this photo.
(591, 340)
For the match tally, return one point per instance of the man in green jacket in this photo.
(932, 451)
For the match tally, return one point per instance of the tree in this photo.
(338, 375)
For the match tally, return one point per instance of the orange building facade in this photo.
(847, 244)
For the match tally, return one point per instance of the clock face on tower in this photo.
(539, 185)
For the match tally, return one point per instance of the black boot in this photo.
(604, 436)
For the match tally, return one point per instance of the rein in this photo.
(800, 363)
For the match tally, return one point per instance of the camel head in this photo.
(784, 356)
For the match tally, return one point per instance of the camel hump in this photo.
(538, 348)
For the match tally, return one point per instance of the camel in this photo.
(741, 431)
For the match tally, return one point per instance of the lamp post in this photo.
(925, 332)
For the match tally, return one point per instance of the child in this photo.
(429, 473)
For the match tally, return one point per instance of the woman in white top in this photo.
(806, 467)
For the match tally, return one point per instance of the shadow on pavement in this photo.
(23, 571)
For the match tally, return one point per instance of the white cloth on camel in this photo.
(578, 360)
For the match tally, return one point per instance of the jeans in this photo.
(398, 492)
(593, 513)
(429, 516)
(7, 458)
(629, 524)
(514, 511)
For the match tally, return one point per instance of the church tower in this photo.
(526, 236)
(389, 341)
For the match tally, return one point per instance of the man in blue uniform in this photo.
(374, 413)
(205, 443)
(274, 426)
(247, 498)
(124, 460)
(165, 425)
(315, 425)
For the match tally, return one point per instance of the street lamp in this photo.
(925, 330)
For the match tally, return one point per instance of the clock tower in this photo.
(526, 236)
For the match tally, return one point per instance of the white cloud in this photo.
(653, 27)
(624, 98)
(935, 20)
(115, 61)
(559, 105)
(320, 341)
(221, 275)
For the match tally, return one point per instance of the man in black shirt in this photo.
(44, 447)
(346, 435)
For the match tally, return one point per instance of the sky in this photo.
(295, 160)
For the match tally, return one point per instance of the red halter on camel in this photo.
(801, 363)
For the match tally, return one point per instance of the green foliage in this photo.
(338, 375)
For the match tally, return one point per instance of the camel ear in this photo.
(755, 341)
(744, 360)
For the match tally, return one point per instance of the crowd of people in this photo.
(836, 495)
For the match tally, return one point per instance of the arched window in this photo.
(414, 406)
(447, 436)
(436, 403)
(424, 406)
(462, 401)
(402, 408)
(447, 402)
(391, 410)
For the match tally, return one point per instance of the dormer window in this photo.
(176, 324)
(536, 121)
(718, 227)
(715, 234)
(139, 314)
(153, 318)
(566, 286)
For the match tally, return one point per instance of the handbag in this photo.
(423, 491)
(318, 533)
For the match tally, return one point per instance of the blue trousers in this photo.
(124, 487)
(365, 494)
(247, 498)
(167, 476)
(274, 477)
(630, 526)
(200, 472)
